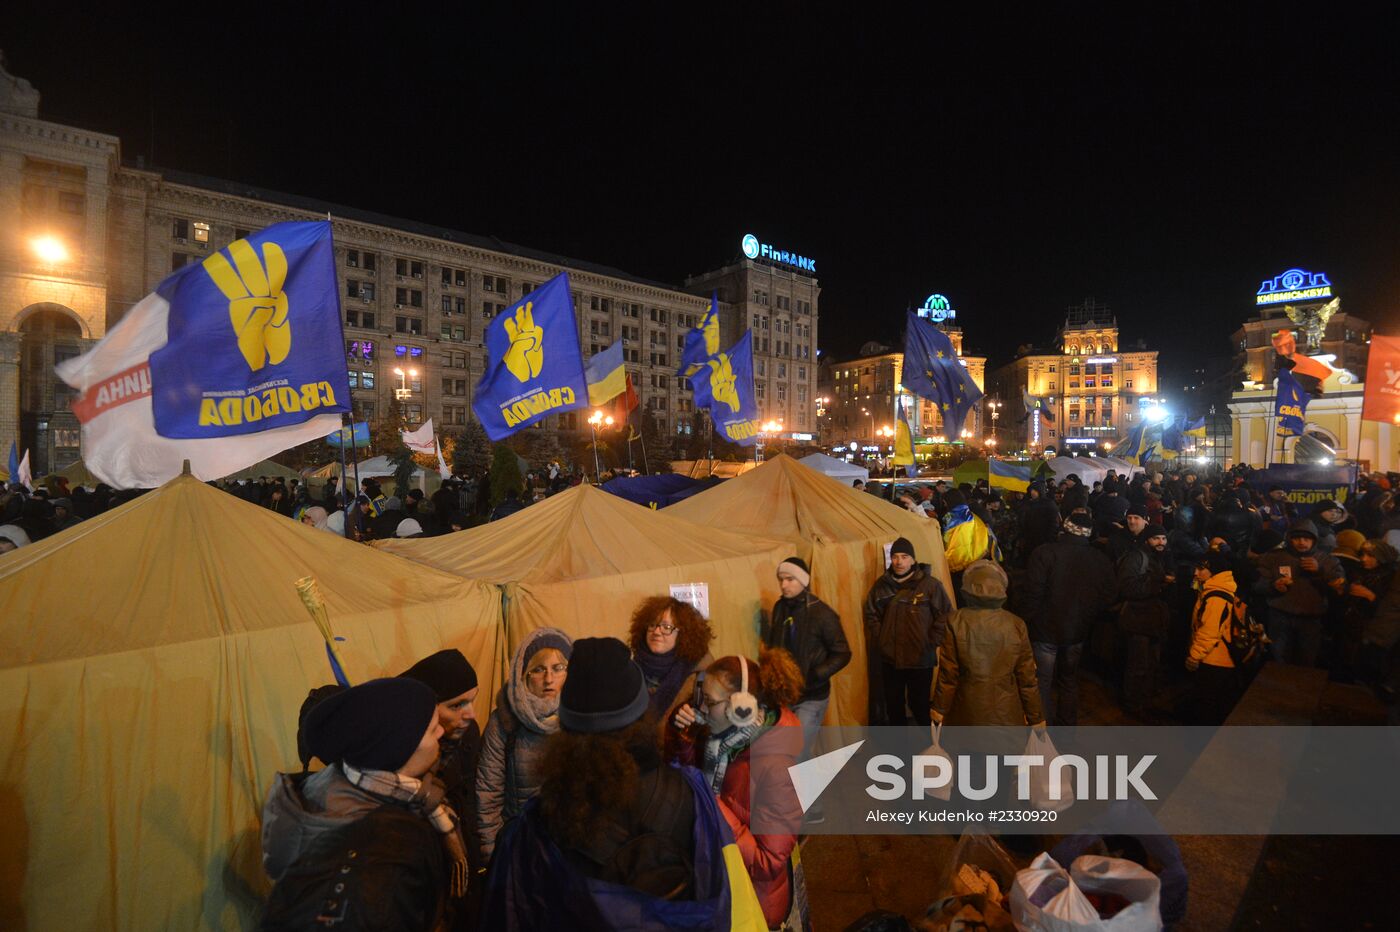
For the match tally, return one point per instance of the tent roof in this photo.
(188, 562)
(783, 498)
(584, 532)
(374, 468)
(831, 466)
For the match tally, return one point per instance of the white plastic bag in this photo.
(1041, 795)
(944, 792)
(1047, 898)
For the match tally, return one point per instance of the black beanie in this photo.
(902, 545)
(605, 690)
(373, 726)
(1217, 561)
(447, 673)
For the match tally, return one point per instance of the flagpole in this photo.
(343, 477)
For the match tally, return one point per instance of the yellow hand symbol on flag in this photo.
(722, 382)
(256, 303)
(525, 358)
(711, 334)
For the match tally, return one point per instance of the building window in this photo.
(400, 266)
(241, 234)
(409, 325)
(447, 304)
(178, 260)
(201, 232)
(416, 269)
(352, 258)
(1128, 384)
(180, 228)
(367, 262)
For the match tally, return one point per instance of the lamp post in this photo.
(403, 393)
(593, 421)
(764, 431)
(995, 407)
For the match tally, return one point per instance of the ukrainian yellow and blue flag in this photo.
(903, 440)
(533, 886)
(607, 375)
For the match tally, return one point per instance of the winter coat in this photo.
(906, 619)
(333, 849)
(1210, 622)
(807, 628)
(986, 672)
(765, 856)
(1068, 584)
(1308, 594)
(1142, 584)
(1236, 524)
(512, 751)
(1040, 524)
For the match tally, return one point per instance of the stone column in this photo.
(9, 390)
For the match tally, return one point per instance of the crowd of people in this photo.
(611, 777)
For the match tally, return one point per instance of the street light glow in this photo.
(1155, 413)
(49, 249)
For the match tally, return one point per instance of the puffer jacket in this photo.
(906, 619)
(808, 628)
(512, 750)
(333, 849)
(1210, 622)
(1068, 584)
(986, 672)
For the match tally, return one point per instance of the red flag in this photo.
(624, 404)
(1382, 399)
(1286, 346)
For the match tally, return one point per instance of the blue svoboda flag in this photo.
(227, 362)
(1290, 404)
(535, 365)
(725, 386)
(932, 370)
(702, 342)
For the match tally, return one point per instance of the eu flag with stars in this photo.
(932, 370)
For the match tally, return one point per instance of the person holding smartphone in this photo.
(1296, 580)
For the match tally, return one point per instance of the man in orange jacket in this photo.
(1214, 679)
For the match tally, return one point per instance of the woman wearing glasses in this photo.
(526, 714)
(671, 643)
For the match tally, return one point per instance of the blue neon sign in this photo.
(1294, 285)
(936, 308)
(757, 250)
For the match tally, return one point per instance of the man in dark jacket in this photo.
(1233, 523)
(1068, 584)
(1296, 579)
(906, 613)
(1040, 519)
(1125, 536)
(1145, 577)
(807, 628)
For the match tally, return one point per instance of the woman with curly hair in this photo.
(734, 720)
(671, 643)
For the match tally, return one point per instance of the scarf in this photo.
(424, 797)
(722, 748)
(664, 674)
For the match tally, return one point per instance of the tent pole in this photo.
(355, 461)
(349, 503)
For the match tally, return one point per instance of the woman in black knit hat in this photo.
(370, 840)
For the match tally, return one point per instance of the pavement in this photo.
(1276, 883)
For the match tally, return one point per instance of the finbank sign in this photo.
(757, 250)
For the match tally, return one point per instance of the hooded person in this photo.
(1146, 575)
(12, 537)
(905, 614)
(746, 741)
(986, 671)
(316, 516)
(63, 516)
(512, 747)
(670, 642)
(1330, 518)
(370, 841)
(966, 538)
(616, 838)
(1215, 682)
(810, 630)
(1296, 580)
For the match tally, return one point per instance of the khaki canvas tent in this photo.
(583, 559)
(840, 532)
(153, 661)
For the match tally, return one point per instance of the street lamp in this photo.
(403, 392)
(596, 419)
(995, 407)
(990, 443)
(49, 249)
(765, 429)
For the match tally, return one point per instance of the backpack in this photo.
(1246, 639)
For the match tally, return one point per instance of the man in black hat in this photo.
(370, 841)
(1069, 583)
(1145, 578)
(906, 613)
(1123, 536)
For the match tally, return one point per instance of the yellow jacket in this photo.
(1210, 621)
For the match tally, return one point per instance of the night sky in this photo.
(1016, 162)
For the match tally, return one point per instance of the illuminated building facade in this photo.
(1096, 389)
